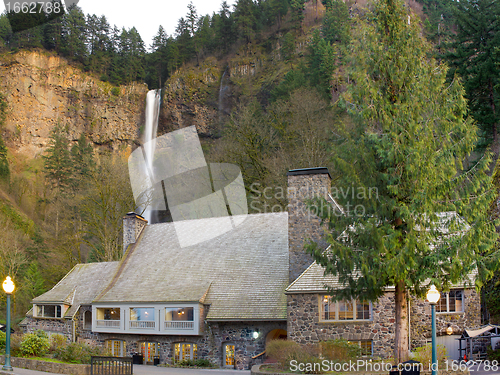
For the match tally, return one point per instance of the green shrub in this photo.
(493, 354)
(203, 363)
(339, 350)
(57, 341)
(284, 351)
(186, 362)
(77, 352)
(15, 345)
(2, 340)
(34, 345)
(423, 355)
(115, 91)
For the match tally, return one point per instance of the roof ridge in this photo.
(130, 249)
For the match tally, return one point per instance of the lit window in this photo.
(453, 301)
(185, 350)
(179, 318)
(116, 348)
(365, 345)
(142, 314)
(344, 310)
(48, 311)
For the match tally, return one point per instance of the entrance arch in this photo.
(276, 334)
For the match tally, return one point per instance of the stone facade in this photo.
(304, 324)
(61, 326)
(420, 318)
(303, 224)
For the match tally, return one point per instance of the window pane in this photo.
(177, 351)
(142, 314)
(363, 310)
(179, 314)
(49, 311)
(346, 310)
(455, 300)
(58, 311)
(39, 310)
(441, 305)
(366, 347)
(195, 351)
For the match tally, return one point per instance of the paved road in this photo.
(154, 370)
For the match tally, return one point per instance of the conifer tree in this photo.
(57, 162)
(419, 215)
(475, 58)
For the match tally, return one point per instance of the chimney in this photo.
(303, 224)
(133, 224)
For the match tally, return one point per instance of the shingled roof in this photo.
(241, 274)
(80, 286)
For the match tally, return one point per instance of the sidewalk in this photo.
(23, 371)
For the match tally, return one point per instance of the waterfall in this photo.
(223, 91)
(150, 129)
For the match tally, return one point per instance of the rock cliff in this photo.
(42, 89)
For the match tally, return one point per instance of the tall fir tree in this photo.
(421, 214)
(58, 164)
(474, 57)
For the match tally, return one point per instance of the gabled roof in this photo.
(241, 274)
(80, 286)
(313, 280)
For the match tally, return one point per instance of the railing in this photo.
(138, 324)
(179, 325)
(108, 323)
(111, 366)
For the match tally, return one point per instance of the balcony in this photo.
(108, 323)
(179, 325)
(141, 324)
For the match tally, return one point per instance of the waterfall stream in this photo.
(153, 100)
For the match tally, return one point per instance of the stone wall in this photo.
(304, 325)
(52, 367)
(61, 326)
(302, 223)
(133, 225)
(420, 317)
(209, 345)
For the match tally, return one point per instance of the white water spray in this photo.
(150, 129)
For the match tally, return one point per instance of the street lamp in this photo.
(433, 296)
(8, 287)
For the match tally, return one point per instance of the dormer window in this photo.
(48, 311)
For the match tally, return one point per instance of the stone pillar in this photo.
(304, 224)
(133, 224)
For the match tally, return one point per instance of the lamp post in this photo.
(8, 287)
(433, 296)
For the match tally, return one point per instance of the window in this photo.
(453, 301)
(108, 317)
(142, 317)
(179, 318)
(87, 320)
(345, 310)
(185, 350)
(228, 355)
(49, 311)
(116, 348)
(365, 345)
(150, 351)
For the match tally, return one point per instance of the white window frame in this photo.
(36, 315)
(191, 352)
(447, 296)
(123, 347)
(337, 320)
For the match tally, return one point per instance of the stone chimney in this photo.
(133, 224)
(303, 224)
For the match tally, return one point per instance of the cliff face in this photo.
(42, 90)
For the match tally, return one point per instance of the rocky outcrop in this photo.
(42, 90)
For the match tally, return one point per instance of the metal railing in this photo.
(111, 366)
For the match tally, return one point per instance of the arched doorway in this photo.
(276, 334)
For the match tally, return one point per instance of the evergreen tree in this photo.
(245, 19)
(298, 7)
(4, 162)
(82, 159)
(419, 215)
(58, 165)
(74, 35)
(475, 58)
(336, 23)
